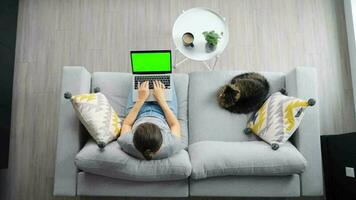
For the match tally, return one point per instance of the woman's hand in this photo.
(158, 90)
(143, 91)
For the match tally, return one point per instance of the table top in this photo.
(196, 21)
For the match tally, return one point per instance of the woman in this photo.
(150, 125)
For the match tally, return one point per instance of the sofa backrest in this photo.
(115, 86)
(208, 121)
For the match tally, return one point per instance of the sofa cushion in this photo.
(113, 162)
(98, 117)
(116, 87)
(207, 120)
(252, 158)
(278, 118)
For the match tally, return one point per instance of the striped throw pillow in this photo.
(278, 118)
(98, 117)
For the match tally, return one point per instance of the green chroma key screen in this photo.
(151, 61)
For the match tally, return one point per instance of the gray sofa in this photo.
(220, 160)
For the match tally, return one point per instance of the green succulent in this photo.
(211, 37)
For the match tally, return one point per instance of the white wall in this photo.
(350, 17)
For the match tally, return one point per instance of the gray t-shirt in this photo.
(170, 144)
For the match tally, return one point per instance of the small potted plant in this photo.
(212, 39)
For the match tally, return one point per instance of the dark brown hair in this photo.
(147, 139)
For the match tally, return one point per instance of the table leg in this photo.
(211, 68)
(216, 60)
(180, 62)
(176, 64)
(175, 59)
(207, 65)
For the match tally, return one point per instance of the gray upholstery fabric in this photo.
(246, 186)
(113, 162)
(116, 87)
(253, 158)
(302, 83)
(94, 185)
(207, 121)
(75, 80)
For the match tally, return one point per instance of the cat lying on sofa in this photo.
(244, 94)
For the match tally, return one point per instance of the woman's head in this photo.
(147, 139)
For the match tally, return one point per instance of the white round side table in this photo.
(196, 21)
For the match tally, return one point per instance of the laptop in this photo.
(150, 66)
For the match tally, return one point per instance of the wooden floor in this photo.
(265, 35)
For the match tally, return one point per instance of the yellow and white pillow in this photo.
(98, 117)
(278, 118)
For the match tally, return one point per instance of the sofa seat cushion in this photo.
(207, 120)
(113, 162)
(116, 85)
(253, 158)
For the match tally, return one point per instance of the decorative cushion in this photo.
(113, 162)
(278, 118)
(253, 158)
(98, 117)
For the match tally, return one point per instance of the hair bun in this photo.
(148, 154)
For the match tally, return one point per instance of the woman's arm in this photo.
(158, 92)
(143, 93)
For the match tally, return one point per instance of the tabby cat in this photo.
(245, 93)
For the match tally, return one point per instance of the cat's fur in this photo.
(245, 93)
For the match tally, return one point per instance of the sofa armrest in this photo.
(302, 83)
(76, 80)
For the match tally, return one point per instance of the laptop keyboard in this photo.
(165, 79)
